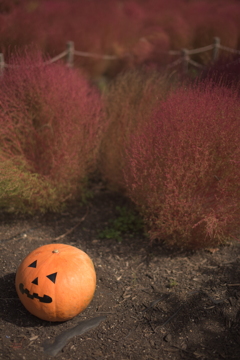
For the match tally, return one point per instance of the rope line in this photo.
(200, 50)
(184, 55)
(229, 49)
(173, 52)
(175, 63)
(194, 63)
(58, 57)
(54, 59)
(97, 56)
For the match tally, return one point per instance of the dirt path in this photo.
(159, 304)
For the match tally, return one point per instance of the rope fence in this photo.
(184, 56)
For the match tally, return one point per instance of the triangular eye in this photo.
(52, 277)
(35, 281)
(33, 264)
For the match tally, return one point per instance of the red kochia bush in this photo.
(50, 124)
(183, 168)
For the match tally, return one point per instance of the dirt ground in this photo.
(159, 304)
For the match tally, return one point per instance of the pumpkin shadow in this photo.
(12, 309)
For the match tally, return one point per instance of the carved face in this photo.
(45, 298)
(56, 282)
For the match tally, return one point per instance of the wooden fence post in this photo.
(1, 64)
(70, 54)
(185, 58)
(216, 44)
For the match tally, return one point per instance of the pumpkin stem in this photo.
(55, 251)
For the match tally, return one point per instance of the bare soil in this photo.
(160, 303)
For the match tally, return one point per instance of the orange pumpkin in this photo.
(56, 282)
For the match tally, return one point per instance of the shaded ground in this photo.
(159, 304)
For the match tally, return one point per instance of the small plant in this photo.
(127, 223)
(172, 283)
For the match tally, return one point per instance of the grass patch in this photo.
(128, 223)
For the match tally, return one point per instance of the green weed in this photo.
(127, 223)
(172, 283)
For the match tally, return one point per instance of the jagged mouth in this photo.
(44, 299)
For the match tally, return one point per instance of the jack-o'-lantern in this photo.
(56, 282)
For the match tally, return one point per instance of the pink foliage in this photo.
(225, 71)
(210, 19)
(95, 27)
(50, 118)
(117, 27)
(6, 6)
(183, 168)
